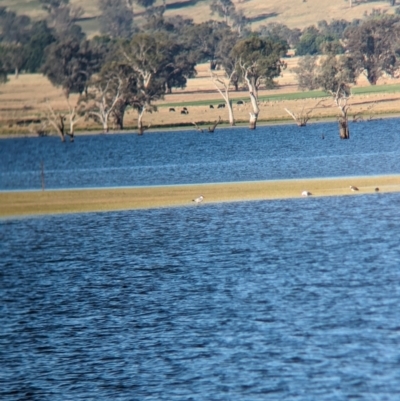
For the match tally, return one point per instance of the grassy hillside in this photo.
(297, 13)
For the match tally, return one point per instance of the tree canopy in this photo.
(374, 46)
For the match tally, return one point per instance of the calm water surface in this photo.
(187, 157)
(279, 300)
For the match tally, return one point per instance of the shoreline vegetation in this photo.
(23, 104)
(50, 202)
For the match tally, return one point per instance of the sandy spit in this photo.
(30, 203)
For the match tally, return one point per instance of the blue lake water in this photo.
(187, 157)
(280, 300)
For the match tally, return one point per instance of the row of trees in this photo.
(123, 69)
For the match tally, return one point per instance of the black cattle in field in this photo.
(183, 111)
(184, 108)
(171, 109)
(221, 106)
(211, 106)
(239, 102)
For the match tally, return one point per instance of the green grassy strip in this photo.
(290, 96)
(377, 89)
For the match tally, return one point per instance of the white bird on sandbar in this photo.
(306, 193)
(198, 199)
(353, 188)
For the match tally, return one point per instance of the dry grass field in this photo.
(27, 98)
(297, 14)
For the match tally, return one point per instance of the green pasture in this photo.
(288, 96)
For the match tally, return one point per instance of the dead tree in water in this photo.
(341, 98)
(212, 129)
(336, 75)
(197, 127)
(358, 117)
(58, 119)
(304, 116)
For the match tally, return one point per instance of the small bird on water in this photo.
(198, 199)
(353, 188)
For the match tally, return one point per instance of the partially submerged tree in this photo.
(335, 76)
(304, 115)
(61, 121)
(259, 62)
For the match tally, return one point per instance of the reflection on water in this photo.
(281, 300)
(277, 152)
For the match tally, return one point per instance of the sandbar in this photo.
(31, 203)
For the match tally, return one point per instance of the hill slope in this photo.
(299, 13)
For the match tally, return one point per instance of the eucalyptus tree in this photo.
(116, 19)
(306, 73)
(279, 31)
(62, 16)
(225, 58)
(224, 8)
(374, 46)
(3, 73)
(228, 76)
(14, 35)
(335, 76)
(40, 36)
(203, 40)
(65, 67)
(259, 62)
(104, 91)
(70, 65)
(145, 55)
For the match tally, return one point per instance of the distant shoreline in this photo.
(36, 203)
(167, 128)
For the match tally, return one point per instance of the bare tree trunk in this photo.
(225, 95)
(141, 129)
(254, 101)
(344, 128)
(253, 121)
(56, 120)
(105, 126)
(341, 101)
(104, 105)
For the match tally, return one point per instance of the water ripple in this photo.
(291, 299)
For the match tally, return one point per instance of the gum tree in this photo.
(258, 62)
(335, 76)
